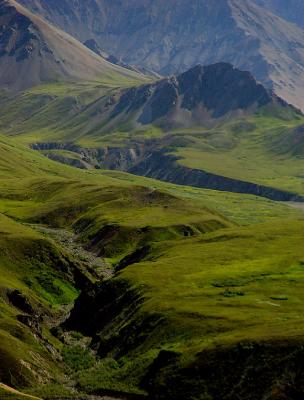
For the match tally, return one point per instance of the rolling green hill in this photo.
(193, 277)
(263, 148)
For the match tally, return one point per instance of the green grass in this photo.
(77, 357)
(265, 263)
(33, 265)
(239, 276)
(260, 148)
(6, 394)
(217, 290)
(253, 150)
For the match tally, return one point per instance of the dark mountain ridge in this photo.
(199, 96)
(172, 36)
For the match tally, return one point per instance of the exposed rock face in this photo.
(199, 95)
(152, 161)
(174, 35)
(93, 45)
(33, 52)
(221, 88)
(158, 165)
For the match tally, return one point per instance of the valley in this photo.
(260, 145)
(151, 227)
(104, 210)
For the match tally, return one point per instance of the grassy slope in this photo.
(42, 177)
(31, 264)
(259, 149)
(212, 288)
(254, 289)
(217, 290)
(253, 150)
(222, 285)
(34, 189)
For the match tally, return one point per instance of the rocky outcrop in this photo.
(93, 45)
(151, 160)
(222, 89)
(20, 301)
(197, 96)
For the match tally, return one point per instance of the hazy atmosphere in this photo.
(151, 199)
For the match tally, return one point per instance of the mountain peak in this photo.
(221, 88)
(170, 36)
(33, 52)
(198, 96)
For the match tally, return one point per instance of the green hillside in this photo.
(211, 281)
(259, 149)
(151, 231)
(264, 148)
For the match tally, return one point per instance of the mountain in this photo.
(34, 52)
(173, 36)
(186, 285)
(196, 97)
(93, 45)
(200, 97)
(291, 10)
(175, 129)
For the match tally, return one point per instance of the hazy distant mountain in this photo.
(291, 10)
(174, 35)
(33, 52)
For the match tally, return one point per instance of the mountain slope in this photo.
(180, 280)
(176, 129)
(195, 97)
(202, 96)
(291, 10)
(172, 36)
(33, 52)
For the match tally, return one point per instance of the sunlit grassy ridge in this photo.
(253, 149)
(42, 177)
(227, 287)
(244, 283)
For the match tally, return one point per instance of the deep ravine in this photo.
(148, 160)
